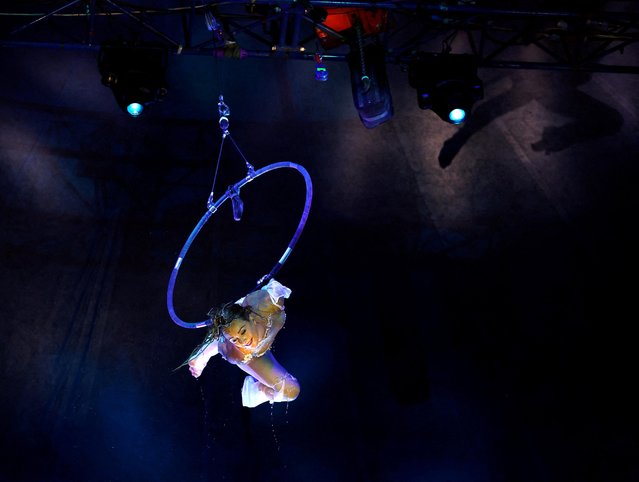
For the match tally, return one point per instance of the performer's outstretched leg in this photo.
(269, 381)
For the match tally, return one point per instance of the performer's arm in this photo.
(198, 363)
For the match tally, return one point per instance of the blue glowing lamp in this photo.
(457, 116)
(135, 109)
(136, 73)
(447, 84)
(321, 73)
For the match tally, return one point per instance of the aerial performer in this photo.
(243, 332)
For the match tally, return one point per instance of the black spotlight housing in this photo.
(369, 82)
(447, 84)
(135, 73)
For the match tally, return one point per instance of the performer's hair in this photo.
(222, 316)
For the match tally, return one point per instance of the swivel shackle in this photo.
(224, 112)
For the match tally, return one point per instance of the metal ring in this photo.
(213, 208)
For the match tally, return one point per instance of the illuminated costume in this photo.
(243, 333)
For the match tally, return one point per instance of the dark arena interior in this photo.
(461, 306)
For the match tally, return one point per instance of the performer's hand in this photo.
(196, 367)
(197, 364)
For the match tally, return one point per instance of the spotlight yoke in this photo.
(135, 73)
(447, 84)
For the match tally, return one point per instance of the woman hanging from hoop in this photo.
(243, 333)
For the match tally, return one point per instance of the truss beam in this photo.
(580, 39)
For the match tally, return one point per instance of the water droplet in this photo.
(277, 442)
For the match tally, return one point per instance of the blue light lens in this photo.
(457, 116)
(135, 109)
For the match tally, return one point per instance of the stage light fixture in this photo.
(369, 82)
(447, 84)
(135, 73)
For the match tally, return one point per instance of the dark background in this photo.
(463, 297)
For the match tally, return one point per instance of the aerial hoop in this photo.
(233, 193)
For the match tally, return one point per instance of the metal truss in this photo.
(601, 39)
